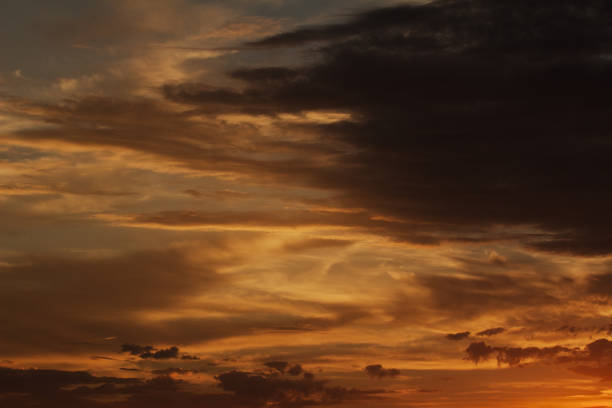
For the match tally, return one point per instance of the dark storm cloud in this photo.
(555, 25)
(378, 371)
(458, 336)
(467, 114)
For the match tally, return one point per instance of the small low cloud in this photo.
(150, 352)
(491, 332)
(458, 336)
(513, 356)
(378, 371)
(284, 367)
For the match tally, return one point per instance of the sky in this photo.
(305, 203)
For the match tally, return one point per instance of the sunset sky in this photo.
(306, 203)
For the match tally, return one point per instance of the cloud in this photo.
(472, 294)
(479, 351)
(37, 381)
(136, 350)
(284, 367)
(509, 102)
(146, 352)
(84, 292)
(56, 388)
(431, 93)
(437, 18)
(316, 243)
(598, 351)
(600, 284)
(458, 336)
(290, 393)
(279, 366)
(172, 370)
(491, 332)
(378, 371)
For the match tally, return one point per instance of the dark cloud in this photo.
(295, 370)
(474, 294)
(513, 356)
(596, 360)
(150, 352)
(467, 115)
(290, 393)
(378, 371)
(172, 370)
(491, 332)
(136, 350)
(479, 351)
(280, 366)
(284, 367)
(163, 354)
(55, 389)
(36, 381)
(458, 336)
(600, 349)
(556, 26)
